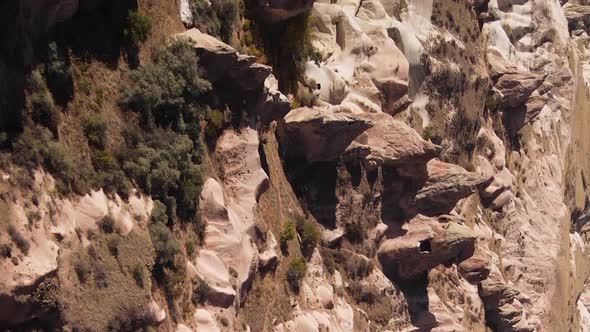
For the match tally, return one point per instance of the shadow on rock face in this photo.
(416, 295)
(315, 186)
(97, 32)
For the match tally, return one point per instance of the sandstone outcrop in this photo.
(445, 185)
(229, 214)
(223, 62)
(320, 135)
(427, 242)
(515, 89)
(474, 269)
(390, 142)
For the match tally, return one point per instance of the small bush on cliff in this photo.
(95, 130)
(43, 111)
(296, 272)
(168, 272)
(216, 18)
(138, 27)
(5, 250)
(201, 291)
(166, 166)
(287, 234)
(309, 234)
(36, 147)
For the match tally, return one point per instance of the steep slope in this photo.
(425, 167)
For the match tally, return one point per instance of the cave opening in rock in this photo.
(425, 246)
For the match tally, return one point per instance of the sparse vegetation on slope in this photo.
(296, 272)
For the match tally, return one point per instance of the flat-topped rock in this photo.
(320, 134)
(445, 185)
(427, 243)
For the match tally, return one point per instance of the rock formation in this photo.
(439, 182)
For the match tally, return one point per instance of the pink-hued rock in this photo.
(426, 243)
(393, 143)
(445, 185)
(320, 135)
(474, 269)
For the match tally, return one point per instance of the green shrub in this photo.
(329, 263)
(216, 18)
(201, 291)
(139, 274)
(113, 180)
(168, 89)
(360, 293)
(158, 213)
(19, 240)
(309, 234)
(138, 27)
(34, 149)
(43, 111)
(355, 231)
(169, 268)
(307, 97)
(107, 224)
(113, 242)
(95, 130)
(215, 120)
(296, 272)
(103, 161)
(166, 168)
(358, 267)
(189, 246)
(287, 234)
(164, 243)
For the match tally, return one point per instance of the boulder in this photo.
(320, 134)
(574, 12)
(222, 62)
(503, 311)
(474, 269)
(427, 243)
(222, 297)
(204, 321)
(392, 143)
(331, 237)
(515, 88)
(183, 328)
(228, 211)
(444, 186)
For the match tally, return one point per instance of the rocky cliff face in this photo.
(438, 181)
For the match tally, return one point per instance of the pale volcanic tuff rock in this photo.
(474, 269)
(574, 12)
(228, 210)
(320, 135)
(319, 305)
(391, 142)
(445, 185)
(51, 241)
(223, 62)
(427, 242)
(325, 134)
(515, 89)
(361, 65)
